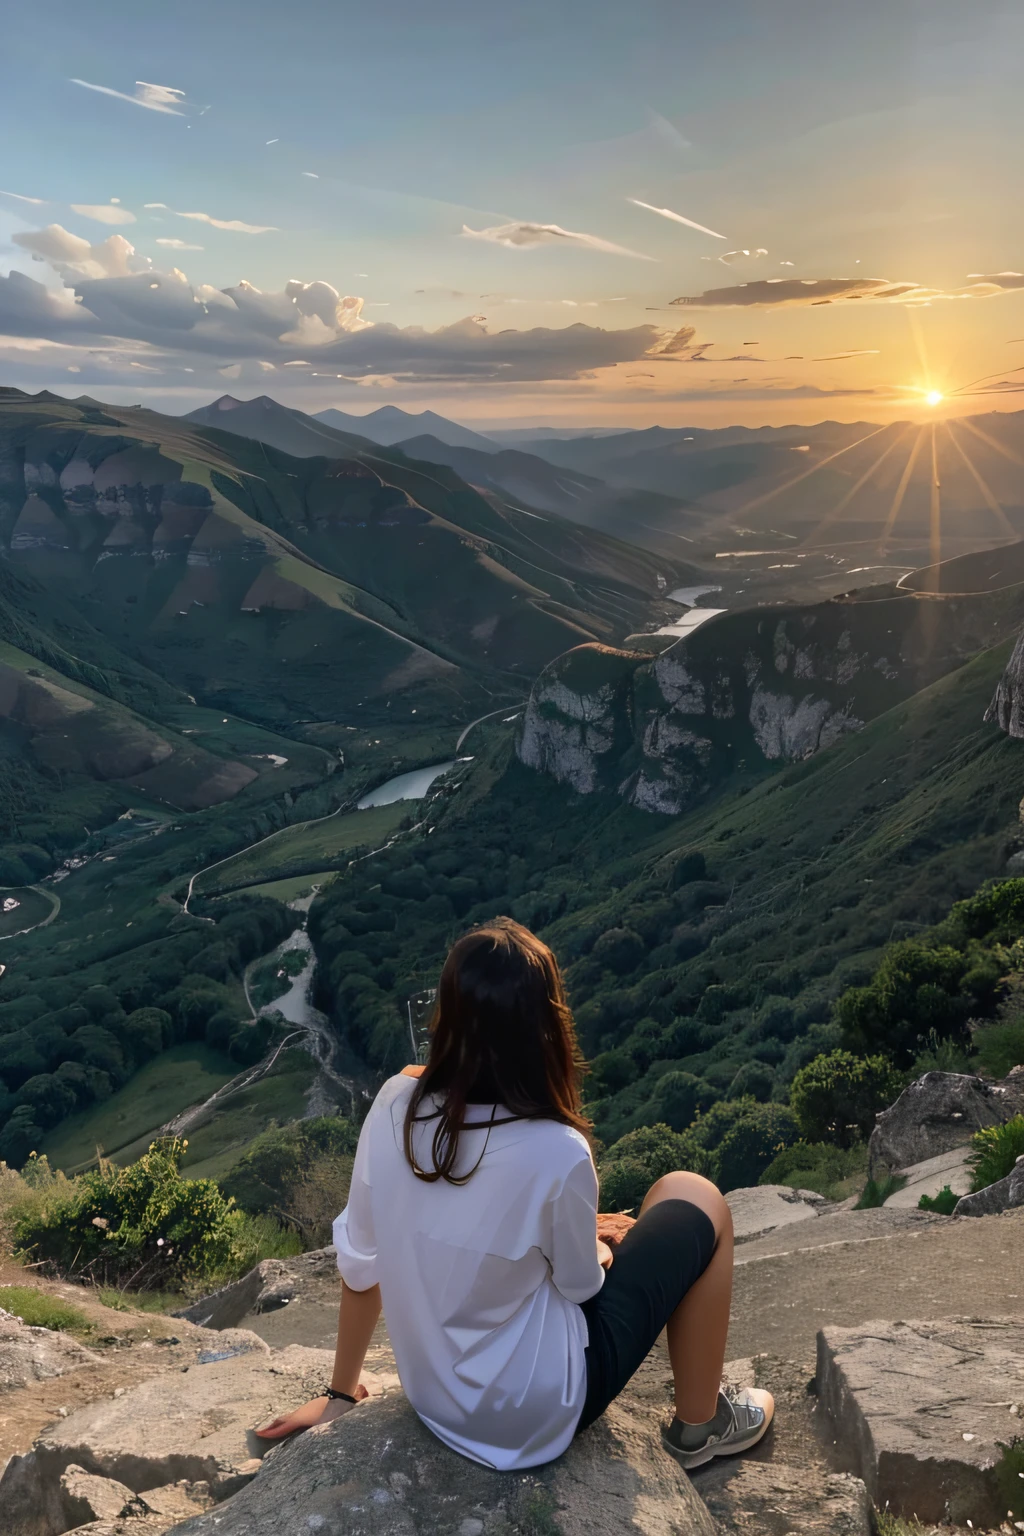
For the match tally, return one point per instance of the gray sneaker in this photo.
(744, 1415)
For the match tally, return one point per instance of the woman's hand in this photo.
(612, 1228)
(319, 1410)
(604, 1255)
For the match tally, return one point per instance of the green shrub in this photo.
(144, 1224)
(999, 1047)
(836, 1097)
(632, 1164)
(278, 1161)
(940, 1056)
(994, 1151)
(41, 1311)
(877, 1192)
(943, 1204)
(818, 1166)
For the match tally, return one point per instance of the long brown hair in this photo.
(501, 1034)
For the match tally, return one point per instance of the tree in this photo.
(20, 1136)
(633, 1163)
(678, 1098)
(837, 1096)
(754, 1141)
(620, 950)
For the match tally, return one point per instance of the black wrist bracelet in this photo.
(342, 1397)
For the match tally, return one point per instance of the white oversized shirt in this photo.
(481, 1282)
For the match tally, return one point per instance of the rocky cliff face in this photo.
(766, 685)
(1007, 707)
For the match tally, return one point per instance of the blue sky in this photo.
(835, 144)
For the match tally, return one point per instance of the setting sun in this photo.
(933, 397)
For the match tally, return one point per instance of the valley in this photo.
(227, 655)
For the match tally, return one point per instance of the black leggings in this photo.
(655, 1265)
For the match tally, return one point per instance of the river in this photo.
(405, 786)
(296, 1004)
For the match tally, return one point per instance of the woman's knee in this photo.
(698, 1191)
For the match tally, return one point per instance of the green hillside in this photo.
(706, 940)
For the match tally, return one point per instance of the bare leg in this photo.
(698, 1328)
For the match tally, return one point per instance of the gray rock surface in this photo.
(764, 1207)
(931, 1176)
(191, 1427)
(36, 1354)
(766, 1498)
(379, 1472)
(921, 1411)
(935, 1114)
(1007, 707)
(1004, 1195)
(273, 1284)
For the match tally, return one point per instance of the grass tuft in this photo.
(877, 1192)
(38, 1310)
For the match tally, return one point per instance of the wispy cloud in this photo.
(155, 98)
(235, 225)
(38, 201)
(837, 357)
(777, 291)
(524, 236)
(178, 245)
(104, 213)
(677, 218)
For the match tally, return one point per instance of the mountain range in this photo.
(172, 562)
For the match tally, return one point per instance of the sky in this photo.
(571, 213)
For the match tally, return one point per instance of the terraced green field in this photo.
(184, 1075)
(294, 848)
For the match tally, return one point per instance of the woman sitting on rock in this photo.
(472, 1219)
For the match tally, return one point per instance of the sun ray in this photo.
(991, 442)
(830, 517)
(759, 501)
(901, 491)
(935, 510)
(990, 498)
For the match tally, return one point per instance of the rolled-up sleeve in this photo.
(353, 1230)
(571, 1246)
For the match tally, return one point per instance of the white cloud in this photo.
(177, 245)
(38, 201)
(104, 213)
(668, 213)
(524, 236)
(72, 256)
(235, 225)
(156, 98)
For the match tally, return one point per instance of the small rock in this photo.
(85, 1497)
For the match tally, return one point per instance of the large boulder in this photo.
(935, 1114)
(36, 1354)
(273, 1284)
(764, 1207)
(1004, 1195)
(923, 1412)
(378, 1471)
(192, 1426)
